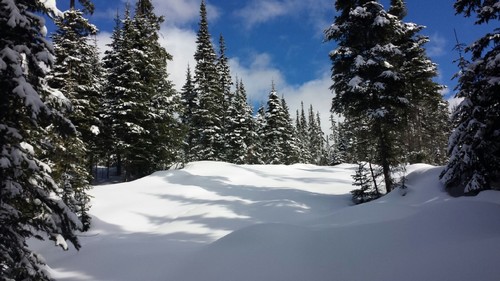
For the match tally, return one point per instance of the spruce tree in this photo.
(291, 146)
(276, 140)
(30, 201)
(74, 74)
(367, 75)
(189, 101)
(209, 138)
(240, 128)
(142, 101)
(256, 150)
(474, 145)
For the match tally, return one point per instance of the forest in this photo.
(65, 112)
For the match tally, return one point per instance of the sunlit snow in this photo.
(221, 222)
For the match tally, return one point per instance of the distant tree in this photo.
(256, 150)
(275, 130)
(291, 146)
(240, 128)
(189, 101)
(315, 138)
(226, 95)
(302, 135)
(474, 145)
(209, 139)
(30, 201)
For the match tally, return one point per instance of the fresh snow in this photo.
(215, 221)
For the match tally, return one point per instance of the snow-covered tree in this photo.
(74, 74)
(278, 137)
(302, 135)
(142, 101)
(367, 75)
(474, 145)
(240, 128)
(189, 103)
(209, 139)
(30, 202)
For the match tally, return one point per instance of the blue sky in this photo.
(282, 40)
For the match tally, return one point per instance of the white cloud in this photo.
(437, 45)
(181, 44)
(262, 11)
(103, 39)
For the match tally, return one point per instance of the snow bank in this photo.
(217, 221)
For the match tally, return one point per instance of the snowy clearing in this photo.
(215, 221)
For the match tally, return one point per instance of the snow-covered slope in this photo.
(217, 221)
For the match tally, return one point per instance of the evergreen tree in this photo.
(365, 179)
(368, 78)
(165, 134)
(209, 139)
(303, 136)
(142, 101)
(225, 83)
(240, 134)
(189, 101)
(256, 150)
(315, 138)
(290, 140)
(426, 121)
(474, 145)
(74, 75)
(276, 150)
(30, 203)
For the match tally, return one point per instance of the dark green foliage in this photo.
(474, 146)
(383, 85)
(141, 100)
(74, 73)
(30, 205)
(365, 179)
(209, 115)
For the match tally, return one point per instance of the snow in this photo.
(215, 221)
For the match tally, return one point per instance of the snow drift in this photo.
(216, 221)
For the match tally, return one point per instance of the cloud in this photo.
(262, 11)
(437, 45)
(181, 44)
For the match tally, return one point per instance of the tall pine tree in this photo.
(367, 75)
(208, 117)
(474, 145)
(74, 74)
(30, 201)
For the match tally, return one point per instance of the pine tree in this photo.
(227, 97)
(277, 146)
(368, 78)
(240, 129)
(303, 135)
(291, 147)
(426, 121)
(142, 101)
(315, 138)
(165, 134)
(74, 74)
(209, 139)
(30, 203)
(474, 145)
(256, 150)
(189, 101)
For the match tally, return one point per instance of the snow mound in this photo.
(216, 221)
